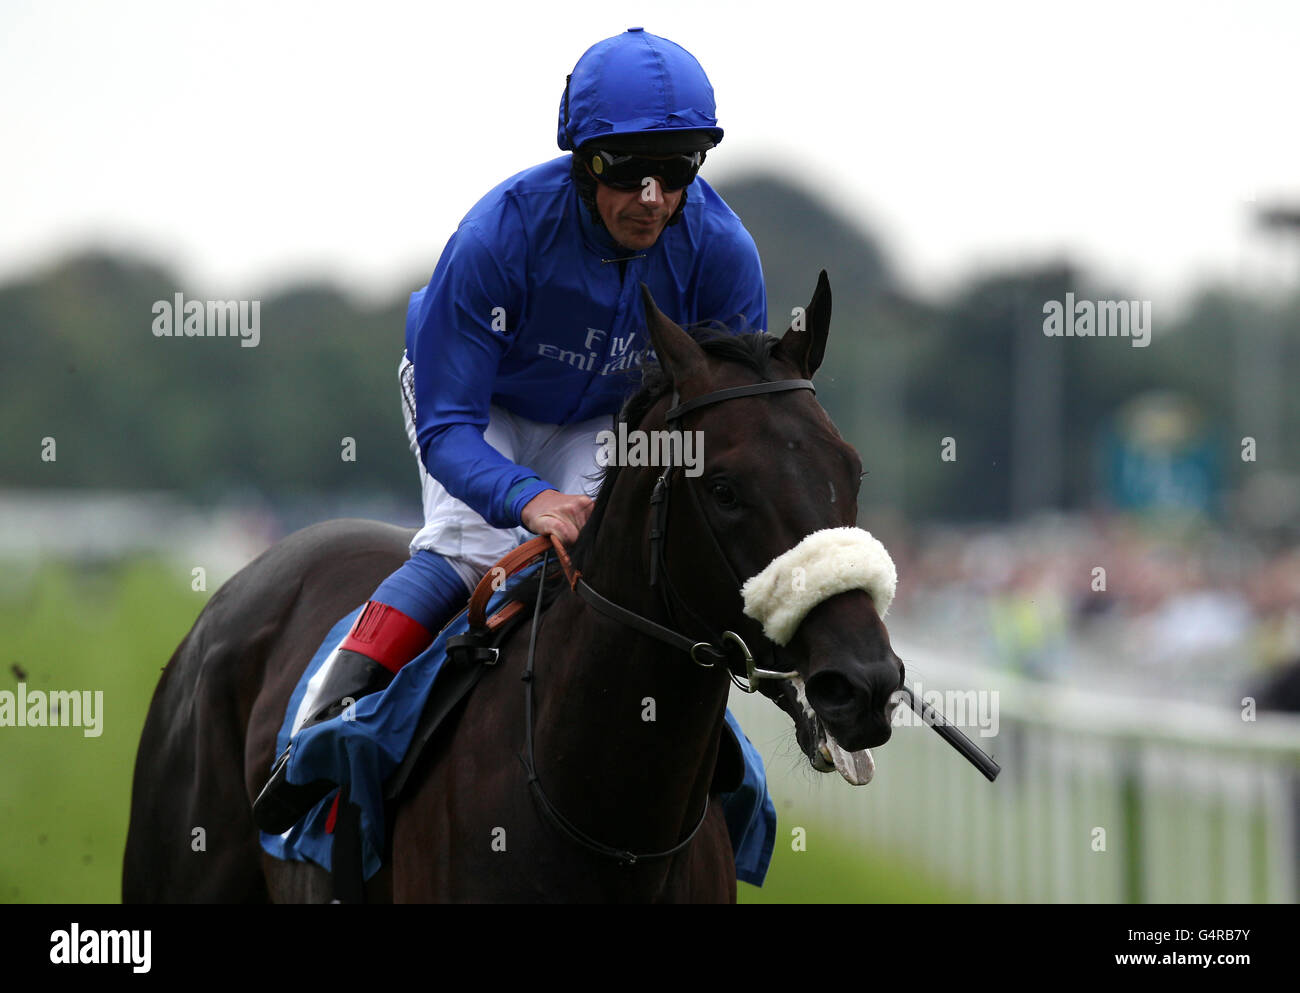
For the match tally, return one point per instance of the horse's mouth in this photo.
(857, 768)
(826, 754)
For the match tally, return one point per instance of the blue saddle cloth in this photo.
(364, 750)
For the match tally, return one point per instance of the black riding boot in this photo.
(345, 678)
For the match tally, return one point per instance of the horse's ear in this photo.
(679, 356)
(804, 344)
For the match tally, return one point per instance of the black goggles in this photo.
(629, 172)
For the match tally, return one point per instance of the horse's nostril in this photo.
(829, 689)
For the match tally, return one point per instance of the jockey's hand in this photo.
(560, 514)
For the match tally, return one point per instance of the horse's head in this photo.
(774, 472)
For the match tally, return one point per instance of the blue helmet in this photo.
(642, 88)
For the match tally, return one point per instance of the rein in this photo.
(697, 650)
(563, 823)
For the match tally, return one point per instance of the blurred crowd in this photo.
(1171, 609)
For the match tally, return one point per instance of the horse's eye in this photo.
(723, 494)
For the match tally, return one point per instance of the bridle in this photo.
(659, 535)
(703, 653)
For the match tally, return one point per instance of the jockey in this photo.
(528, 338)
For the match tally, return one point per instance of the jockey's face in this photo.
(636, 218)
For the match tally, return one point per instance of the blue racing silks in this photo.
(530, 308)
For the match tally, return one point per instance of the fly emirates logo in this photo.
(619, 358)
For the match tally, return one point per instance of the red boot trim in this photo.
(388, 636)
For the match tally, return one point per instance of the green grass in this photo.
(830, 870)
(65, 798)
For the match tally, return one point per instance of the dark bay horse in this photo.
(468, 828)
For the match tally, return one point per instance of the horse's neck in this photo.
(627, 727)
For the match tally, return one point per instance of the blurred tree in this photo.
(207, 417)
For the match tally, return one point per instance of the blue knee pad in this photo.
(426, 589)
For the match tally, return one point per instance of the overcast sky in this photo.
(249, 143)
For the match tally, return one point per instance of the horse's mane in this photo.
(753, 350)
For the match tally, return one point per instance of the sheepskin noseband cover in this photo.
(823, 564)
